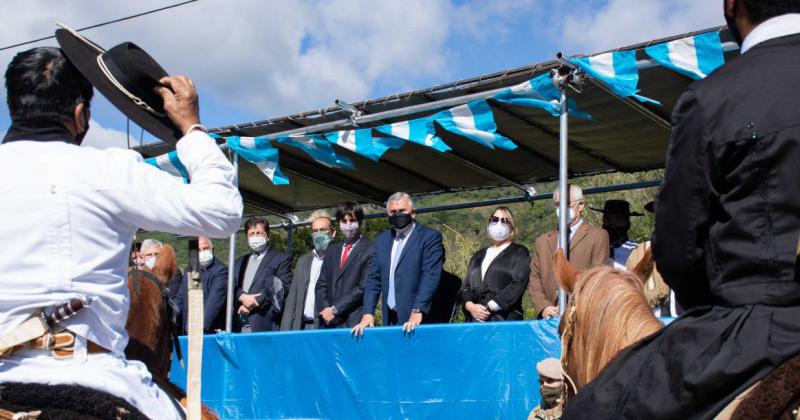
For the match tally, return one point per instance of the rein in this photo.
(566, 347)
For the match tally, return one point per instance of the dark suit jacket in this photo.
(416, 276)
(214, 279)
(344, 288)
(504, 282)
(270, 301)
(589, 247)
(296, 300)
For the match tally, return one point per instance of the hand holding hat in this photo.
(181, 103)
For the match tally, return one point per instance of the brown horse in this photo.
(149, 325)
(608, 312)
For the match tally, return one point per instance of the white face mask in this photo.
(257, 243)
(498, 231)
(348, 229)
(150, 262)
(571, 215)
(205, 257)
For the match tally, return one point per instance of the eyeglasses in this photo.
(570, 203)
(495, 219)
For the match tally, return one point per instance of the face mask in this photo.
(571, 215)
(550, 395)
(79, 137)
(349, 230)
(150, 262)
(205, 257)
(737, 36)
(498, 231)
(257, 243)
(400, 220)
(321, 240)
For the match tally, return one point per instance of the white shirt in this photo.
(71, 212)
(783, 25)
(491, 253)
(572, 230)
(316, 267)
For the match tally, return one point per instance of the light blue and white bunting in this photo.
(695, 56)
(617, 70)
(259, 152)
(539, 92)
(420, 131)
(171, 164)
(319, 149)
(362, 142)
(474, 121)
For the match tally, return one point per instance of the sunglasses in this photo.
(495, 219)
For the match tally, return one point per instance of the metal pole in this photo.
(564, 198)
(290, 238)
(231, 257)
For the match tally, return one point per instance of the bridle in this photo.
(169, 320)
(566, 347)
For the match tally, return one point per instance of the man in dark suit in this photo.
(263, 276)
(405, 269)
(301, 304)
(727, 228)
(340, 289)
(214, 278)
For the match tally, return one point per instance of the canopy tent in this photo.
(623, 135)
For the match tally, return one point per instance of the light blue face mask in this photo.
(571, 215)
(321, 240)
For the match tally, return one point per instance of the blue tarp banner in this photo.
(445, 371)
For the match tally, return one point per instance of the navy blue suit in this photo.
(214, 279)
(416, 276)
(267, 316)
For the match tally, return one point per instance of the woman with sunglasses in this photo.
(498, 275)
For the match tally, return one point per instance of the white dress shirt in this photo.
(69, 218)
(491, 253)
(316, 267)
(783, 25)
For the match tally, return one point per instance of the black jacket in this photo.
(344, 288)
(270, 301)
(214, 279)
(505, 282)
(728, 214)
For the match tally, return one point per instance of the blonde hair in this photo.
(506, 212)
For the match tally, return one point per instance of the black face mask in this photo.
(79, 137)
(400, 220)
(737, 36)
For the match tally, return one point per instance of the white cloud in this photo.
(101, 137)
(618, 23)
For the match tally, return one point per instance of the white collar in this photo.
(783, 25)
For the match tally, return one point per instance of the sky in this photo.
(259, 59)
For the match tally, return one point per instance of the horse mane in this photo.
(166, 264)
(611, 313)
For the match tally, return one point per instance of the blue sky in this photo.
(257, 59)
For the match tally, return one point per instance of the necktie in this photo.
(345, 254)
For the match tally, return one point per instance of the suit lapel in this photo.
(414, 237)
(305, 271)
(262, 266)
(583, 230)
(350, 257)
(499, 256)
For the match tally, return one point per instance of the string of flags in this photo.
(695, 57)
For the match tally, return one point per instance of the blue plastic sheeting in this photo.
(441, 371)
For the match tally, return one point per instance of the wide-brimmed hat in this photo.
(618, 207)
(126, 75)
(651, 207)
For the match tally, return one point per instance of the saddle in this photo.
(65, 402)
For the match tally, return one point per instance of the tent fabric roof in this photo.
(624, 135)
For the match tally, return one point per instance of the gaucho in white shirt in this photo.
(69, 215)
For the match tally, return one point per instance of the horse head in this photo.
(607, 312)
(166, 264)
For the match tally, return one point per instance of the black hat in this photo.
(126, 75)
(618, 207)
(651, 207)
